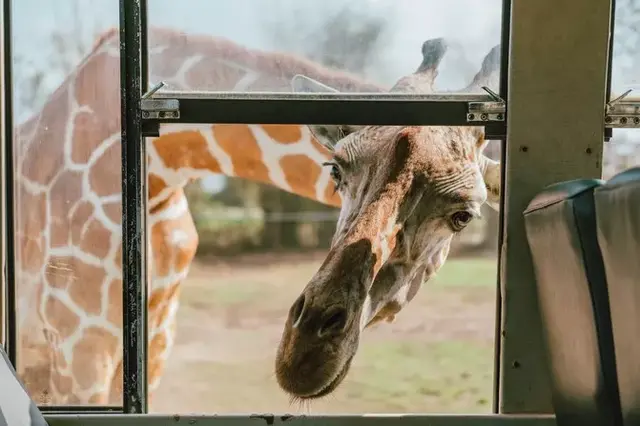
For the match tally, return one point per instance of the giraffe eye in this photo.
(461, 219)
(335, 173)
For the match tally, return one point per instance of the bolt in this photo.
(524, 148)
(515, 364)
(145, 114)
(608, 120)
(636, 120)
(499, 117)
(588, 151)
(471, 117)
(623, 120)
(484, 117)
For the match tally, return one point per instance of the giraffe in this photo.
(406, 191)
(68, 193)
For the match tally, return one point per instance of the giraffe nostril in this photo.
(296, 310)
(334, 321)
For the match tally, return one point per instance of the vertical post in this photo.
(8, 223)
(557, 89)
(505, 36)
(134, 213)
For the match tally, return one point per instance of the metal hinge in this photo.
(624, 115)
(159, 108)
(487, 111)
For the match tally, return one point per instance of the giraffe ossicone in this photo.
(406, 191)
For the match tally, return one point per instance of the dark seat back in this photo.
(618, 208)
(561, 232)
(16, 408)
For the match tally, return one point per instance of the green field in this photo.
(436, 357)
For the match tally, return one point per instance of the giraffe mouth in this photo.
(333, 384)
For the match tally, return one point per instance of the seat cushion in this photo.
(572, 291)
(16, 408)
(618, 208)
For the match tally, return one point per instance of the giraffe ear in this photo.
(491, 175)
(327, 135)
(490, 169)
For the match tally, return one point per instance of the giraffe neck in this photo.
(284, 156)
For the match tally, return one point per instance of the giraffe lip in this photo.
(333, 384)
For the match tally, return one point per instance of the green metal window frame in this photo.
(555, 80)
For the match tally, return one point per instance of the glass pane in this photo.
(67, 162)
(260, 243)
(353, 46)
(621, 153)
(626, 48)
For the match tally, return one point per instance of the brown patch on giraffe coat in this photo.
(161, 308)
(104, 177)
(61, 318)
(186, 149)
(92, 356)
(86, 293)
(65, 193)
(97, 86)
(88, 135)
(31, 254)
(158, 345)
(62, 384)
(155, 185)
(284, 134)
(60, 271)
(44, 156)
(113, 211)
(240, 144)
(96, 239)
(301, 173)
(114, 310)
(388, 313)
(32, 212)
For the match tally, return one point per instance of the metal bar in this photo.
(144, 48)
(549, 70)
(134, 209)
(75, 409)
(505, 31)
(276, 419)
(386, 109)
(8, 181)
(341, 97)
(608, 132)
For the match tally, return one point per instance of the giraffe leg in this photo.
(162, 331)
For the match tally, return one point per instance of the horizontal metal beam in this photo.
(385, 109)
(271, 419)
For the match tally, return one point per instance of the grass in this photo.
(436, 357)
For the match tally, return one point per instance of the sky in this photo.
(472, 28)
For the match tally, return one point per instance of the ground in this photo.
(436, 357)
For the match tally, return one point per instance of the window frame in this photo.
(533, 124)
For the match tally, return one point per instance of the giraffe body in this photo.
(68, 193)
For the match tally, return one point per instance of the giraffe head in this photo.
(406, 191)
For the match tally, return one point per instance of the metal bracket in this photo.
(159, 108)
(487, 111)
(625, 115)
